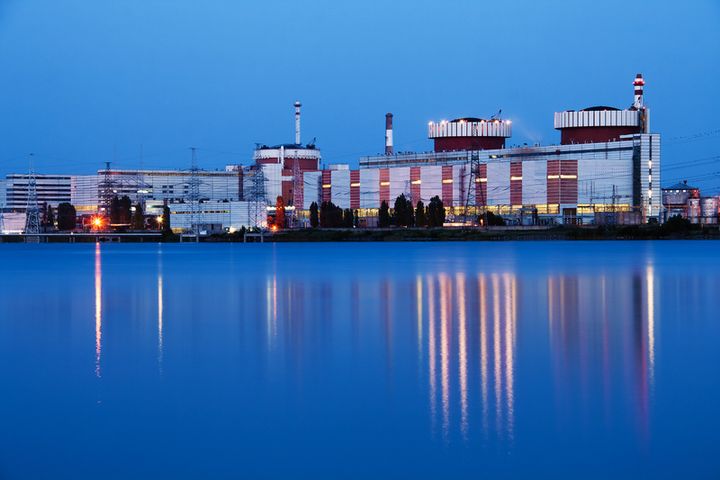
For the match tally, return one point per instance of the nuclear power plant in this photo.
(605, 168)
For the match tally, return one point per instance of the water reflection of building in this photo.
(98, 309)
(602, 335)
(475, 317)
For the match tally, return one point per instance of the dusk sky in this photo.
(83, 82)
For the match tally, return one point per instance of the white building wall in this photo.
(599, 173)
(498, 183)
(534, 183)
(273, 181)
(369, 188)
(460, 176)
(84, 193)
(431, 185)
(340, 192)
(399, 183)
(311, 189)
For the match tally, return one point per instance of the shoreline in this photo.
(491, 234)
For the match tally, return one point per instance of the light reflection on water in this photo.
(505, 356)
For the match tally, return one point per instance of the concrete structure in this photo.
(607, 161)
(214, 216)
(51, 189)
(292, 161)
(676, 198)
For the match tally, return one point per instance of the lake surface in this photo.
(397, 360)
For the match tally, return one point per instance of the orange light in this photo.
(274, 228)
(97, 222)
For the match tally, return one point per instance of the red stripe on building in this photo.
(354, 189)
(481, 185)
(447, 186)
(326, 182)
(385, 185)
(415, 184)
(553, 182)
(516, 185)
(568, 181)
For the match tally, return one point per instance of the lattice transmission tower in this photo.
(106, 191)
(257, 198)
(473, 186)
(194, 195)
(32, 211)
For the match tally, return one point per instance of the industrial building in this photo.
(605, 168)
(607, 161)
(685, 200)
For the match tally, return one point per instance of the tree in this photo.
(314, 219)
(50, 218)
(677, 224)
(138, 218)
(403, 212)
(280, 212)
(348, 219)
(331, 216)
(166, 220)
(494, 220)
(66, 217)
(420, 216)
(356, 219)
(120, 210)
(384, 215)
(436, 212)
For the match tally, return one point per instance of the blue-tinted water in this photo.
(408, 360)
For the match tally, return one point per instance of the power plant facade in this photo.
(606, 162)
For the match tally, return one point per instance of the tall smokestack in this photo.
(639, 83)
(388, 134)
(297, 123)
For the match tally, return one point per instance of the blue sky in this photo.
(85, 81)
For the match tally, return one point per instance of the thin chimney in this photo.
(389, 134)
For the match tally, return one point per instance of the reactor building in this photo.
(607, 161)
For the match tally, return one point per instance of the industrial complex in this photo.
(604, 169)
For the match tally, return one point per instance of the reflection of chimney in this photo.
(388, 134)
(297, 123)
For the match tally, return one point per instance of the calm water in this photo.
(444, 360)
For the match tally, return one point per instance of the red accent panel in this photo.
(594, 134)
(553, 184)
(415, 188)
(481, 187)
(569, 186)
(304, 164)
(562, 190)
(326, 180)
(385, 189)
(287, 192)
(354, 191)
(515, 185)
(450, 144)
(447, 188)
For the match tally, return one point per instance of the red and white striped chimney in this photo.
(639, 83)
(388, 134)
(297, 122)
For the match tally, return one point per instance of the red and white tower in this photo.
(389, 134)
